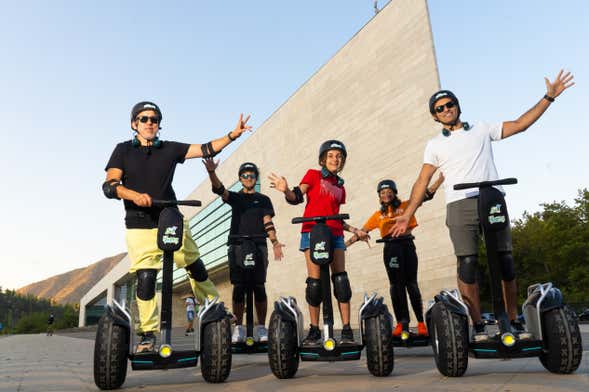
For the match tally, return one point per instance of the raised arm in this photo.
(216, 184)
(212, 148)
(553, 90)
(294, 195)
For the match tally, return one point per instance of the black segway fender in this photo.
(117, 316)
(216, 313)
(541, 299)
(453, 302)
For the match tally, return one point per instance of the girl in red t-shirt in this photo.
(325, 193)
(400, 258)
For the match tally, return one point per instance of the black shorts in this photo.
(238, 275)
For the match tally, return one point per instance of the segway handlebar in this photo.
(247, 236)
(485, 184)
(173, 203)
(320, 218)
(396, 239)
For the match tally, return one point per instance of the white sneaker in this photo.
(238, 334)
(262, 333)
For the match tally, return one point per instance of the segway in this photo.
(409, 337)
(247, 259)
(212, 337)
(285, 332)
(552, 332)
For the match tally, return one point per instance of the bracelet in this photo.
(548, 98)
(229, 136)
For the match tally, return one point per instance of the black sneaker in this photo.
(313, 338)
(187, 332)
(147, 343)
(347, 335)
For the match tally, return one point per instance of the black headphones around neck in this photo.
(446, 132)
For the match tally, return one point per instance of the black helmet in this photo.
(248, 167)
(332, 145)
(439, 95)
(145, 105)
(386, 184)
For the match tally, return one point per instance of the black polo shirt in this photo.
(248, 211)
(147, 170)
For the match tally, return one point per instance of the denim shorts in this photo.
(190, 315)
(337, 241)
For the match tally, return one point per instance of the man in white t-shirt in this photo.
(463, 153)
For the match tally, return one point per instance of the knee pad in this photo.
(146, 284)
(197, 271)
(260, 293)
(313, 292)
(467, 268)
(341, 287)
(238, 294)
(507, 266)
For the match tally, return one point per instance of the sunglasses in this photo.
(144, 119)
(447, 105)
(248, 176)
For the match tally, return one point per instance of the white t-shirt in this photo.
(189, 304)
(464, 156)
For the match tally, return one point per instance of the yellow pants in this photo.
(144, 254)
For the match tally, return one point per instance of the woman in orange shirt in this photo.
(400, 258)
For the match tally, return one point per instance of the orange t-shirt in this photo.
(384, 222)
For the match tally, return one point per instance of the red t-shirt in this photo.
(324, 196)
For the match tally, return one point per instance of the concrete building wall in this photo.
(372, 95)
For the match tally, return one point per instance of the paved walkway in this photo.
(64, 363)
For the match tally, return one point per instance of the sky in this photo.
(71, 71)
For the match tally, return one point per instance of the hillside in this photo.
(69, 287)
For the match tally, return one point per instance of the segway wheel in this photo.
(111, 349)
(380, 357)
(449, 337)
(283, 350)
(562, 341)
(215, 364)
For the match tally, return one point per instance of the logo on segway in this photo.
(319, 251)
(249, 260)
(496, 209)
(170, 236)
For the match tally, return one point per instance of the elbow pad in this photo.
(428, 195)
(219, 191)
(298, 196)
(207, 150)
(110, 189)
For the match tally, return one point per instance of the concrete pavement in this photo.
(64, 363)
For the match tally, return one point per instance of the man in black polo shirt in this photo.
(138, 171)
(252, 214)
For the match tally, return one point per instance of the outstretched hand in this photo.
(210, 164)
(278, 182)
(241, 126)
(277, 248)
(400, 226)
(561, 83)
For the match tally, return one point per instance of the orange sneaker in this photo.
(398, 330)
(421, 329)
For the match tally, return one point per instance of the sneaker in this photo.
(313, 338)
(421, 329)
(480, 334)
(187, 332)
(398, 330)
(147, 343)
(262, 333)
(520, 331)
(347, 335)
(238, 334)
